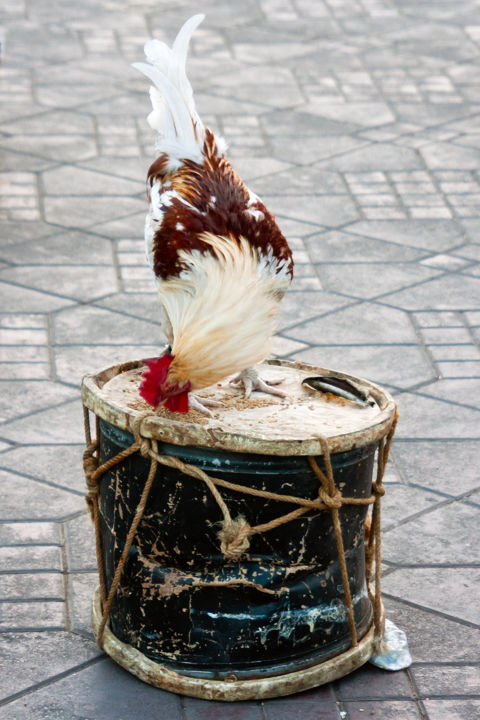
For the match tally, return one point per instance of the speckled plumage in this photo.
(207, 198)
(220, 260)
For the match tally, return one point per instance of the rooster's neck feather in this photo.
(222, 311)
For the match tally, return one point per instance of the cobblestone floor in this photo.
(358, 121)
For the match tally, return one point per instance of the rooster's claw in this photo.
(251, 381)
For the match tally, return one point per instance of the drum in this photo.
(233, 556)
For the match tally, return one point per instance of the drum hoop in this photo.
(171, 430)
(230, 689)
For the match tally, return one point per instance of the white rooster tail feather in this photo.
(174, 116)
(222, 312)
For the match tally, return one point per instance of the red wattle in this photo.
(153, 378)
(178, 403)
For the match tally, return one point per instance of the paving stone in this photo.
(438, 319)
(291, 227)
(428, 418)
(275, 86)
(458, 370)
(369, 280)
(24, 398)
(25, 371)
(21, 299)
(447, 590)
(401, 502)
(285, 122)
(399, 365)
(365, 114)
(308, 180)
(87, 211)
(364, 324)
(435, 235)
(453, 709)
(88, 182)
(195, 709)
(49, 122)
(41, 656)
(464, 391)
(17, 232)
(91, 325)
(50, 502)
(36, 557)
(23, 336)
(28, 615)
(445, 336)
(435, 464)
(282, 347)
(81, 587)
(80, 537)
(385, 709)
(60, 465)
(342, 246)
(442, 535)
(379, 156)
(130, 169)
(75, 361)
(55, 148)
(444, 155)
(62, 424)
(438, 293)
(28, 533)
(322, 695)
(101, 690)
(26, 586)
(14, 160)
(434, 638)
(372, 683)
(330, 210)
(299, 306)
(253, 169)
(127, 226)
(434, 681)
(358, 123)
(144, 306)
(79, 282)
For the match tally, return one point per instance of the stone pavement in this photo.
(358, 121)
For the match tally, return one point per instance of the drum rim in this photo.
(179, 433)
(160, 676)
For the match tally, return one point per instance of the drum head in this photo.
(263, 424)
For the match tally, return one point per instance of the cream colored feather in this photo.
(222, 312)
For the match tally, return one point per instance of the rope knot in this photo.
(89, 460)
(234, 537)
(144, 448)
(141, 442)
(331, 501)
(378, 489)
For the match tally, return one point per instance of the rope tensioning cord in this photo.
(234, 536)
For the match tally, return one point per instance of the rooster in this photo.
(220, 261)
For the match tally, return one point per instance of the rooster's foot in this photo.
(202, 404)
(251, 381)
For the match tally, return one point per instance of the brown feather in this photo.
(227, 215)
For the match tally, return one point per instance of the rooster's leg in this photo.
(251, 381)
(202, 404)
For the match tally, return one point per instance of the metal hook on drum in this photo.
(341, 388)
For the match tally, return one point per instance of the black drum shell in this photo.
(183, 604)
